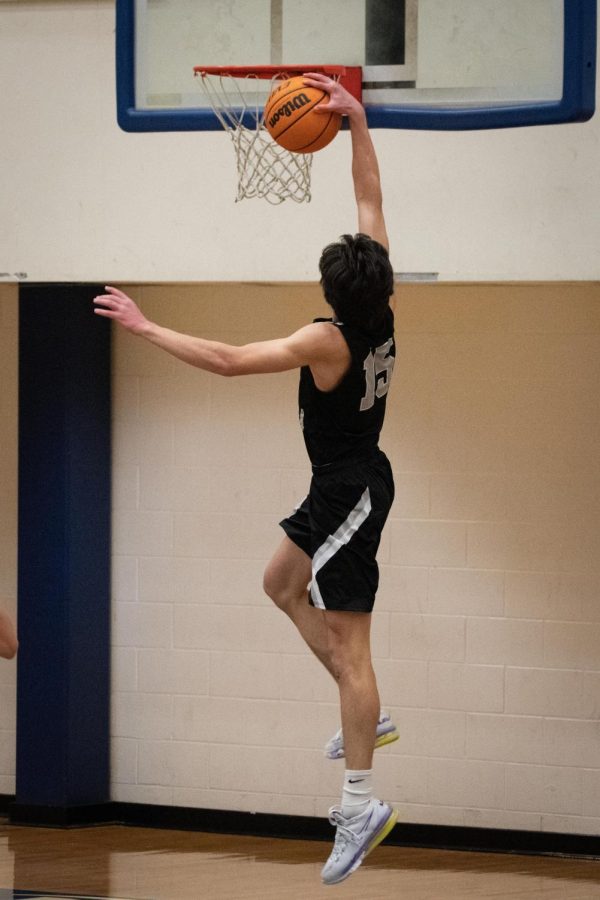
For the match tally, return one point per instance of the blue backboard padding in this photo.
(576, 105)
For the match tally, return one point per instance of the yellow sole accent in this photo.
(384, 832)
(388, 738)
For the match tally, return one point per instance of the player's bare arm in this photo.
(365, 168)
(319, 345)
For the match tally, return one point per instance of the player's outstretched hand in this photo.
(340, 100)
(115, 304)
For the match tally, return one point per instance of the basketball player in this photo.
(331, 539)
(8, 637)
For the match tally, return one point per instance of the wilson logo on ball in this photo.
(288, 108)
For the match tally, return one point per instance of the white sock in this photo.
(357, 791)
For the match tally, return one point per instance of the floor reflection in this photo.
(149, 864)
(6, 894)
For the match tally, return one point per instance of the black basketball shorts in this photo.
(339, 526)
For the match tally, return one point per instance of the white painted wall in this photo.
(81, 200)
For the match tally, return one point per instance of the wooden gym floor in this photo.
(149, 864)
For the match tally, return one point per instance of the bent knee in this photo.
(287, 597)
(276, 590)
(270, 582)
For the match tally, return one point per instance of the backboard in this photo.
(427, 64)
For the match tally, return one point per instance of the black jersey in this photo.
(345, 423)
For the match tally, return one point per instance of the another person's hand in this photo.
(8, 637)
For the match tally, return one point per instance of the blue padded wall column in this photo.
(63, 682)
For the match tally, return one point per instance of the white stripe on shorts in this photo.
(336, 541)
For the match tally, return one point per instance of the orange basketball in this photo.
(290, 120)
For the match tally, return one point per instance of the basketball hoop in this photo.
(237, 95)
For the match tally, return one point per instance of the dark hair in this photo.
(357, 280)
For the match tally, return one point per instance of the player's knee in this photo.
(349, 661)
(342, 664)
(350, 668)
(275, 589)
(341, 659)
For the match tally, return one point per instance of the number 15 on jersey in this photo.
(378, 367)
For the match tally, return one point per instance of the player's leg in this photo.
(362, 820)
(286, 580)
(8, 637)
(353, 509)
(349, 641)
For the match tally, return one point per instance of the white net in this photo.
(264, 168)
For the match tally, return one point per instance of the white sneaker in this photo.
(386, 733)
(356, 837)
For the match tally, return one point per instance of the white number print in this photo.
(378, 368)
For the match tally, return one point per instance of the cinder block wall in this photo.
(487, 626)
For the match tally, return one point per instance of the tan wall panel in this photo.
(490, 562)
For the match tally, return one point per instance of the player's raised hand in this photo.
(115, 304)
(340, 100)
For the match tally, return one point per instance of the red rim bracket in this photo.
(349, 76)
